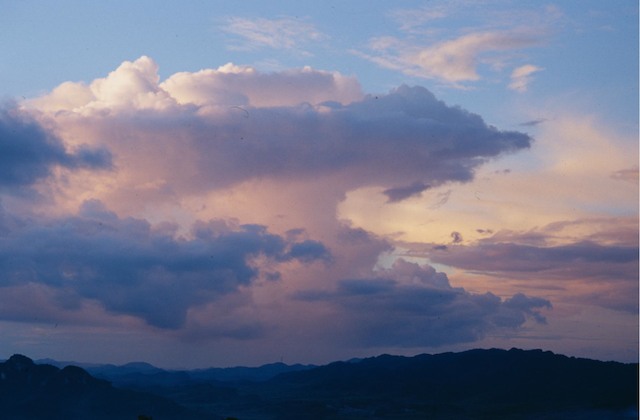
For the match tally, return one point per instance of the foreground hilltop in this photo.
(30, 391)
(476, 384)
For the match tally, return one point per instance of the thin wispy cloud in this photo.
(480, 47)
(522, 76)
(452, 61)
(410, 20)
(532, 123)
(286, 33)
(629, 175)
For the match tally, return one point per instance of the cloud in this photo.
(131, 85)
(409, 305)
(308, 251)
(532, 123)
(29, 152)
(286, 33)
(217, 128)
(231, 85)
(251, 149)
(571, 175)
(132, 268)
(411, 20)
(601, 274)
(629, 175)
(521, 77)
(401, 193)
(135, 85)
(577, 260)
(452, 61)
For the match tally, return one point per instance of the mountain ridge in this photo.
(478, 383)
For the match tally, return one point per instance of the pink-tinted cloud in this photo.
(223, 194)
(522, 76)
(283, 33)
(453, 61)
(211, 130)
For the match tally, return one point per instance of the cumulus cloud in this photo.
(409, 305)
(29, 151)
(282, 33)
(521, 77)
(132, 268)
(135, 85)
(210, 141)
(131, 85)
(231, 85)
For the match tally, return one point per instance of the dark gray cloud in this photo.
(397, 194)
(132, 268)
(410, 305)
(584, 262)
(578, 258)
(28, 151)
(308, 251)
(532, 123)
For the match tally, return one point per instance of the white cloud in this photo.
(134, 84)
(283, 33)
(521, 77)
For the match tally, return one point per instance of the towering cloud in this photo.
(218, 216)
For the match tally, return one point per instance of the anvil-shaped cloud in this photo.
(221, 196)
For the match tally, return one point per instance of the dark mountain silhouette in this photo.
(134, 374)
(476, 384)
(471, 384)
(31, 391)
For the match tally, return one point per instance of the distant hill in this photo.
(133, 374)
(31, 391)
(476, 384)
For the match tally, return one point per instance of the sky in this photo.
(238, 183)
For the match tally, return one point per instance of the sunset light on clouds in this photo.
(214, 185)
